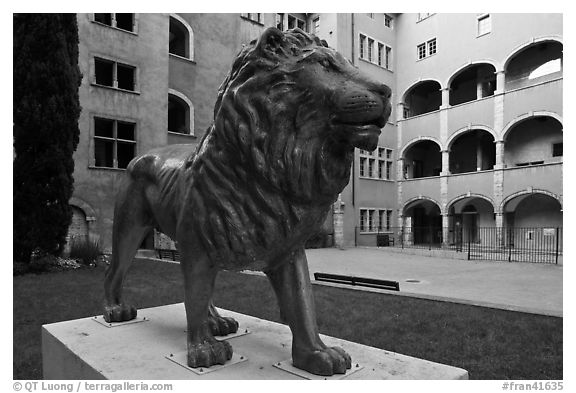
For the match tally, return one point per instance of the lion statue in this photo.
(260, 183)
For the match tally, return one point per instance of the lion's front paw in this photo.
(222, 326)
(326, 362)
(209, 353)
(119, 313)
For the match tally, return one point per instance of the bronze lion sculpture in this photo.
(260, 183)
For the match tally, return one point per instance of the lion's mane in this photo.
(265, 174)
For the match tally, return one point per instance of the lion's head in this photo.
(293, 110)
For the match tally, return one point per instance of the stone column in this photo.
(400, 111)
(338, 217)
(500, 81)
(445, 162)
(445, 98)
(445, 229)
(499, 155)
(499, 222)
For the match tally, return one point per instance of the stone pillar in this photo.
(338, 217)
(500, 81)
(499, 222)
(400, 111)
(499, 155)
(445, 163)
(445, 229)
(445, 98)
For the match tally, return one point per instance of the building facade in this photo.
(474, 139)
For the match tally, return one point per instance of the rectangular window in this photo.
(280, 22)
(379, 164)
(421, 49)
(362, 46)
(125, 76)
(363, 219)
(371, 162)
(120, 21)
(484, 24)
(380, 53)
(113, 74)
(371, 220)
(291, 22)
(125, 21)
(114, 143)
(388, 219)
(104, 19)
(253, 17)
(388, 170)
(432, 47)
(316, 24)
(104, 72)
(557, 149)
(294, 22)
(381, 220)
(388, 64)
(381, 169)
(387, 21)
(370, 49)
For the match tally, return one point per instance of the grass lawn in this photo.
(490, 344)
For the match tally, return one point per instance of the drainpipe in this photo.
(354, 163)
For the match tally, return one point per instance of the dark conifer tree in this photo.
(46, 111)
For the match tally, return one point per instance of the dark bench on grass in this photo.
(172, 255)
(360, 281)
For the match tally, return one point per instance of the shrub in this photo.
(85, 251)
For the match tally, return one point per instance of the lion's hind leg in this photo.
(131, 224)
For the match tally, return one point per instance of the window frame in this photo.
(479, 20)
(190, 37)
(373, 220)
(249, 16)
(376, 166)
(388, 21)
(432, 43)
(189, 103)
(423, 50)
(114, 140)
(115, 63)
(113, 22)
(374, 51)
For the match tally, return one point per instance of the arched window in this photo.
(180, 113)
(181, 38)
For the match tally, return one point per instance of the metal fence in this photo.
(541, 245)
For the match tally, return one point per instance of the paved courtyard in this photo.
(518, 286)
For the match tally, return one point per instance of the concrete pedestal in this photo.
(154, 347)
